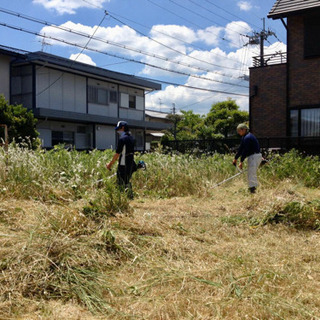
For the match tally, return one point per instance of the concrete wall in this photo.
(105, 137)
(5, 76)
(60, 90)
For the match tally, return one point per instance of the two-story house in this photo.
(285, 87)
(75, 103)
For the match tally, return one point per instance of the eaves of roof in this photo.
(285, 8)
(78, 67)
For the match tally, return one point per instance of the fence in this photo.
(270, 59)
(309, 145)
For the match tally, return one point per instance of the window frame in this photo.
(300, 120)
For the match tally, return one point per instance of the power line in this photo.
(170, 48)
(163, 33)
(191, 22)
(112, 55)
(228, 12)
(198, 101)
(46, 23)
(197, 88)
(155, 80)
(200, 15)
(51, 84)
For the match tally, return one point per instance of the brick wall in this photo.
(268, 104)
(304, 74)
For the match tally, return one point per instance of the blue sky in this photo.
(195, 43)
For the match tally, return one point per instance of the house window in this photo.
(132, 101)
(310, 122)
(113, 97)
(64, 137)
(305, 122)
(98, 95)
(311, 36)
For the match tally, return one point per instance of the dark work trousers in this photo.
(124, 174)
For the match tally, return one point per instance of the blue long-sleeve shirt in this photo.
(249, 145)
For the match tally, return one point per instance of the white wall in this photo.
(45, 137)
(110, 110)
(60, 90)
(127, 113)
(105, 137)
(5, 76)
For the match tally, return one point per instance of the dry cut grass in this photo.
(221, 256)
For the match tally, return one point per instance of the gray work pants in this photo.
(253, 164)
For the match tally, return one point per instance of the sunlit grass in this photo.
(73, 247)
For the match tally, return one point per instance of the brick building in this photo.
(285, 87)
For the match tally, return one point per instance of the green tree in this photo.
(21, 123)
(224, 117)
(185, 126)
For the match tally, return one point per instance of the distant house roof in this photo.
(156, 114)
(79, 67)
(284, 8)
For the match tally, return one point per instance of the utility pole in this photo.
(259, 38)
(174, 121)
(160, 103)
(173, 108)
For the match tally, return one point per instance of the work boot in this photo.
(252, 189)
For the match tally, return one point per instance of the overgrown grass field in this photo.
(73, 247)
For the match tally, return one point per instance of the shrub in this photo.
(21, 124)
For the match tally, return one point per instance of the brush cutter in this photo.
(141, 165)
(230, 178)
(263, 162)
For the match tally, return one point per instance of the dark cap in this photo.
(121, 124)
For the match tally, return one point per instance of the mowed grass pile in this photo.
(72, 246)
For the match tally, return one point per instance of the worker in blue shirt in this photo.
(249, 148)
(125, 156)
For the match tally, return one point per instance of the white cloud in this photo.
(210, 35)
(234, 60)
(82, 58)
(244, 5)
(235, 32)
(69, 6)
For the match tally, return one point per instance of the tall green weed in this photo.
(296, 167)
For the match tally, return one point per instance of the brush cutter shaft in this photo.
(228, 179)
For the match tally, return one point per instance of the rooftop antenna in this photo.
(44, 43)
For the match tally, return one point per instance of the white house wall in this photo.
(105, 137)
(60, 90)
(45, 137)
(127, 113)
(124, 100)
(5, 76)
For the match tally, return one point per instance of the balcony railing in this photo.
(270, 59)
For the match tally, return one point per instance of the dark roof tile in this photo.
(283, 8)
